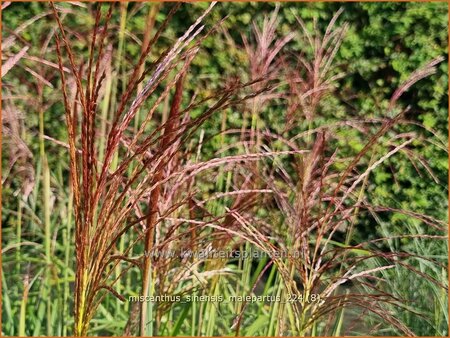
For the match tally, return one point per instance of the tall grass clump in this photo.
(320, 196)
(177, 177)
(108, 196)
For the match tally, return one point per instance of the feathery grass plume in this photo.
(106, 198)
(320, 200)
(314, 75)
(19, 154)
(317, 265)
(264, 53)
